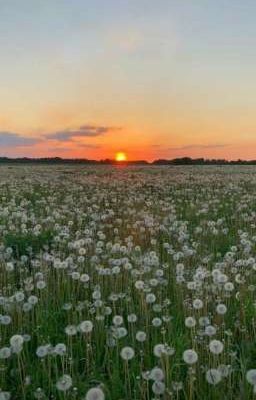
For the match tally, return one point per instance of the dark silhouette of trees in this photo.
(85, 161)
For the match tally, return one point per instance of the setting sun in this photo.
(121, 156)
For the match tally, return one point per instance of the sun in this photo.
(121, 156)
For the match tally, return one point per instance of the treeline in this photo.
(175, 161)
(202, 161)
(59, 160)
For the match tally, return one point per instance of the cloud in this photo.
(12, 139)
(61, 149)
(76, 147)
(89, 145)
(63, 137)
(83, 131)
(199, 146)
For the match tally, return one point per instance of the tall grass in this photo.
(109, 276)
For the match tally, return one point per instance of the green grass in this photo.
(153, 215)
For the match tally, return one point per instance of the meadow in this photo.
(127, 283)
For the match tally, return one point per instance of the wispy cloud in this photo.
(59, 149)
(199, 146)
(77, 146)
(12, 139)
(83, 131)
(62, 137)
(89, 145)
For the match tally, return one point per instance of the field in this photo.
(133, 283)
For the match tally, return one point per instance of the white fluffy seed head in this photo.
(213, 376)
(118, 320)
(42, 351)
(86, 326)
(158, 387)
(60, 349)
(157, 374)
(64, 383)
(221, 309)
(71, 330)
(95, 394)
(198, 304)
(216, 346)
(150, 298)
(190, 322)
(210, 330)
(156, 322)
(251, 376)
(16, 341)
(159, 350)
(127, 353)
(132, 318)
(141, 336)
(5, 352)
(190, 356)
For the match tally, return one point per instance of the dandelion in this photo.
(224, 370)
(158, 388)
(41, 285)
(150, 298)
(19, 297)
(5, 320)
(33, 300)
(216, 346)
(156, 322)
(127, 353)
(251, 376)
(204, 321)
(198, 304)
(157, 374)
(5, 352)
(139, 285)
(42, 351)
(64, 383)
(121, 332)
(84, 278)
(159, 349)
(27, 307)
(86, 327)
(16, 343)
(141, 336)
(9, 267)
(71, 330)
(229, 286)
(213, 376)
(95, 394)
(60, 349)
(221, 309)
(190, 356)
(5, 395)
(190, 322)
(210, 330)
(118, 320)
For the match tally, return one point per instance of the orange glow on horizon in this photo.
(120, 156)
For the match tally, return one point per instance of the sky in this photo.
(155, 79)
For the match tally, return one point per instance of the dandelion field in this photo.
(132, 283)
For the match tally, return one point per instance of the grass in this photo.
(168, 229)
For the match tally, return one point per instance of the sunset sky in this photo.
(152, 78)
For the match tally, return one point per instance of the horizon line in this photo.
(186, 160)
